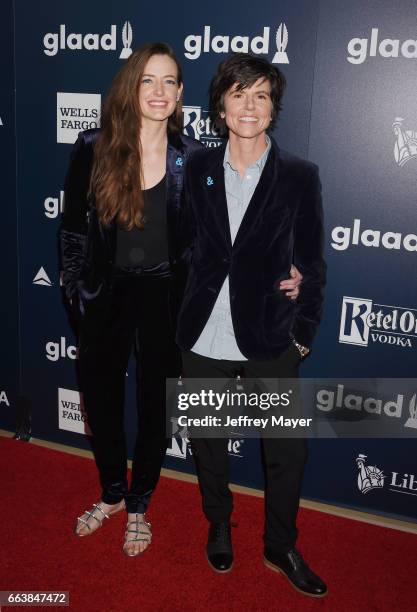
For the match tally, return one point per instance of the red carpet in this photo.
(366, 568)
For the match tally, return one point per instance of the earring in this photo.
(178, 97)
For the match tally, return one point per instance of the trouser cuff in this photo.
(114, 493)
(278, 548)
(137, 503)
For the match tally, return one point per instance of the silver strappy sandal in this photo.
(97, 513)
(137, 533)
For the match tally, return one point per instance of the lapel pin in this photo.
(179, 161)
(210, 181)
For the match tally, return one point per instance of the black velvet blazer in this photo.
(88, 249)
(283, 224)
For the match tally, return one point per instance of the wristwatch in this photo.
(303, 350)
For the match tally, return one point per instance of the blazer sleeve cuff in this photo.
(73, 256)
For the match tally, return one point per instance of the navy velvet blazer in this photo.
(88, 249)
(283, 224)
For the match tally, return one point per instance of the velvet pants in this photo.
(136, 316)
(284, 458)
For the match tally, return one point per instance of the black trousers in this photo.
(137, 316)
(284, 459)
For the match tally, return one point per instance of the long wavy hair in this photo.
(117, 179)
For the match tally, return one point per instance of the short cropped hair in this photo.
(244, 69)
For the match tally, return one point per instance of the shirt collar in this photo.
(260, 163)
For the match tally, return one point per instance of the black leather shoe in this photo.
(219, 549)
(297, 572)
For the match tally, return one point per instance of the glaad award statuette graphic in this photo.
(369, 477)
(412, 420)
(281, 56)
(127, 41)
(405, 147)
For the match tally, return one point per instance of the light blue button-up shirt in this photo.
(217, 340)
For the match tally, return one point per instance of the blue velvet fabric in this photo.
(283, 224)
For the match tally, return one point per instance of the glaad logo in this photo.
(412, 419)
(60, 41)
(76, 112)
(362, 320)
(281, 41)
(387, 48)
(58, 350)
(127, 38)
(329, 400)
(71, 411)
(196, 44)
(344, 237)
(405, 147)
(371, 477)
(198, 125)
(42, 278)
(4, 399)
(54, 206)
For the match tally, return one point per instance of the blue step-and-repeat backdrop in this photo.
(9, 327)
(350, 107)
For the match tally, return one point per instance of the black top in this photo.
(141, 249)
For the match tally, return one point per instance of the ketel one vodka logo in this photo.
(405, 147)
(54, 42)
(369, 477)
(196, 44)
(198, 125)
(362, 320)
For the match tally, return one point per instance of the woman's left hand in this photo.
(291, 285)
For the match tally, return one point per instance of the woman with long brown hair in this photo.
(119, 244)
